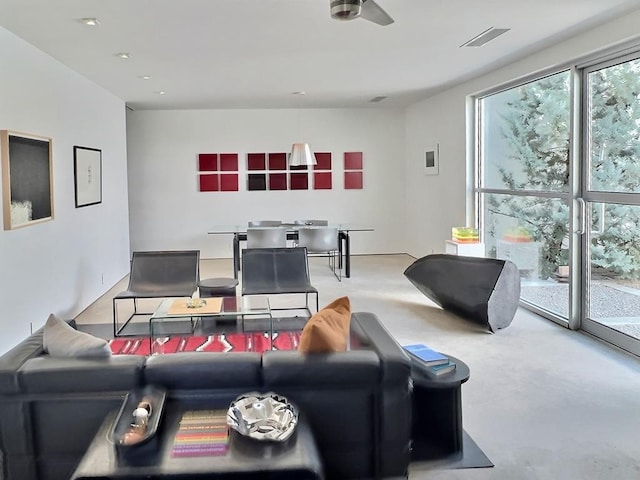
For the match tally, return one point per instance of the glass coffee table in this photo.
(173, 317)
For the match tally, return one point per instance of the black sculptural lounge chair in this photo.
(274, 271)
(485, 290)
(156, 275)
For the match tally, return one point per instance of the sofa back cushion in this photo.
(50, 375)
(338, 393)
(204, 371)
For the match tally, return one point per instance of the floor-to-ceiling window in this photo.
(610, 189)
(558, 191)
(523, 154)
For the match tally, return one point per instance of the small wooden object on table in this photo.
(195, 306)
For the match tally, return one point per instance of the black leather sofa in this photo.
(357, 402)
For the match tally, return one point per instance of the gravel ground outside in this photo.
(615, 307)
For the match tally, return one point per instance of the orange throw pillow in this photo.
(327, 330)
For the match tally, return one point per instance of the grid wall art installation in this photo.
(269, 171)
(218, 172)
(353, 171)
(322, 172)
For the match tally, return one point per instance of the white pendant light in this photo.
(301, 155)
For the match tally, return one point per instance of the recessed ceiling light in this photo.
(145, 77)
(92, 22)
(123, 55)
(160, 92)
(299, 93)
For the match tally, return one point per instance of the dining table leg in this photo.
(345, 252)
(236, 255)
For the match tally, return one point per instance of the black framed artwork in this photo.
(87, 170)
(432, 160)
(27, 179)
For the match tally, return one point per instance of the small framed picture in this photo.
(88, 176)
(431, 160)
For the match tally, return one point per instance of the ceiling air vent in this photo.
(485, 37)
(377, 99)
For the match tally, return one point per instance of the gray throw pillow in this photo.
(62, 340)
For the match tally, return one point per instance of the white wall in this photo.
(61, 266)
(168, 212)
(435, 204)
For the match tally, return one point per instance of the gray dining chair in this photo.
(308, 223)
(312, 223)
(266, 237)
(265, 223)
(322, 242)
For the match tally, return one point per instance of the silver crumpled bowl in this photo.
(263, 416)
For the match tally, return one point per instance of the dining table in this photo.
(239, 233)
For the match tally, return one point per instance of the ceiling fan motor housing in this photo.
(345, 9)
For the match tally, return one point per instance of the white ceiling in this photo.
(255, 53)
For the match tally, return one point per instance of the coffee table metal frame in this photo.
(233, 308)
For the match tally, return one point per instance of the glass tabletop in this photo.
(220, 314)
(245, 305)
(235, 229)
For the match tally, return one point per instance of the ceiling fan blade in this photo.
(374, 13)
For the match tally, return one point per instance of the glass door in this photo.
(524, 189)
(611, 194)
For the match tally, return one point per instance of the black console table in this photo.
(437, 412)
(295, 459)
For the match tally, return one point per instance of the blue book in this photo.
(438, 370)
(426, 356)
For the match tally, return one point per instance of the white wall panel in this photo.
(168, 212)
(61, 266)
(435, 204)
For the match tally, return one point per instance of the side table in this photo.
(464, 249)
(218, 287)
(437, 412)
(297, 458)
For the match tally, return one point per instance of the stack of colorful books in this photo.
(201, 433)
(429, 361)
(465, 235)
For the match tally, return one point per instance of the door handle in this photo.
(601, 221)
(582, 213)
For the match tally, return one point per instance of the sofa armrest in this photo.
(12, 360)
(370, 332)
(394, 426)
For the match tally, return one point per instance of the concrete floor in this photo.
(543, 402)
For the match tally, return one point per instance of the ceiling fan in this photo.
(367, 9)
